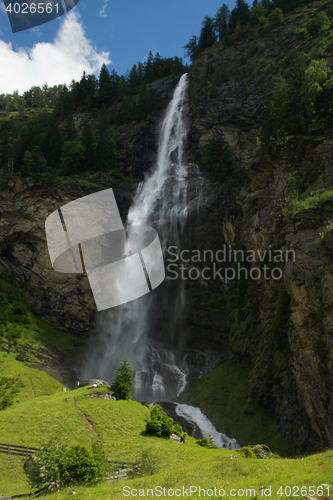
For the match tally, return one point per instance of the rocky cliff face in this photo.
(282, 328)
(64, 301)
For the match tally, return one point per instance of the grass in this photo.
(37, 340)
(12, 476)
(45, 335)
(119, 426)
(36, 383)
(224, 396)
(213, 468)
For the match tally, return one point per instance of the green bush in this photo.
(320, 24)
(159, 423)
(302, 34)
(72, 157)
(303, 104)
(247, 452)
(123, 385)
(207, 442)
(263, 21)
(217, 159)
(9, 387)
(58, 467)
(148, 463)
(6, 401)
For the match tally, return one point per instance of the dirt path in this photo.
(89, 423)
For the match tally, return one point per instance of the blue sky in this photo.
(119, 33)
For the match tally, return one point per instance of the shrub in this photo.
(57, 466)
(9, 387)
(276, 16)
(247, 452)
(148, 463)
(304, 103)
(123, 385)
(72, 157)
(302, 34)
(6, 401)
(217, 159)
(207, 442)
(320, 24)
(263, 21)
(159, 423)
(14, 303)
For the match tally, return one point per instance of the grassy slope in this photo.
(224, 396)
(39, 345)
(213, 468)
(36, 382)
(37, 337)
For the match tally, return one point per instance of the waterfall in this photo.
(148, 330)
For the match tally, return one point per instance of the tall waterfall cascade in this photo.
(147, 330)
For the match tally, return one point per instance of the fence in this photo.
(27, 451)
(13, 449)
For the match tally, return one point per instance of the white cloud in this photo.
(61, 61)
(102, 9)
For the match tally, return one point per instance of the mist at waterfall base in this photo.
(149, 330)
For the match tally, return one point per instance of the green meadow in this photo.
(42, 411)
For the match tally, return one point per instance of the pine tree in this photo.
(123, 385)
(240, 14)
(191, 48)
(142, 104)
(88, 143)
(105, 90)
(207, 34)
(221, 21)
(133, 80)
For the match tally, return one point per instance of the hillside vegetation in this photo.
(73, 418)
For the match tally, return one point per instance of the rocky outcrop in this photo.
(281, 328)
(63, 300)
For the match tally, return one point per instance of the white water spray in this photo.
(196, 417)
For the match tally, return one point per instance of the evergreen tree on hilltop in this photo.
(207, 36)
(191, 48)
(123, 385)
(240, 14)
(105, 89)
(221, 21)
(206, 39)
